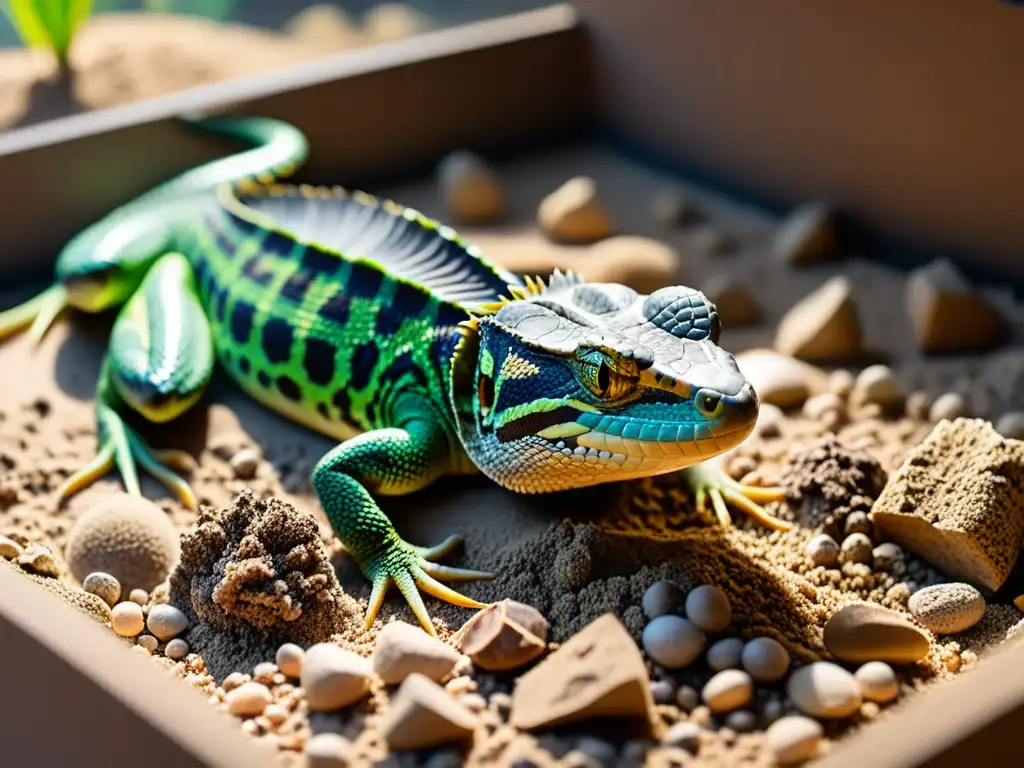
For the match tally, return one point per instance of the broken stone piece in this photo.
(862, 632)
(956, 501)
(574, 212)
(824, 325)
(469, 187)
(948, 315)
(504, 635)
(423, 715)
(779, 379)
(807, 236)
(735, 305)
(642, 263)
(599, 672)
(403, 649)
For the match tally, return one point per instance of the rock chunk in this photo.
(947, 608)
(728, 690)
(574, 212)
(672, 641)
(104, 586)
(504, 635)
(868, 632)
(807, 236)
(469, 187)
(333, 677)
(824, 690)
(795, 739)
(126, 536)
(736, 306)
(948, 315)
(403, 649)
(598, 672)
(956, 501)
(824, 325)
(424, 715)
(780, 379)
(642, 263)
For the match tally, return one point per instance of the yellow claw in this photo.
(89, 474)
(723, 490)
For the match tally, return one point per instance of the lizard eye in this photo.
(709, 404)
(604, 381)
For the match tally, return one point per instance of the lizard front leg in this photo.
(391, 461)
(709, 480)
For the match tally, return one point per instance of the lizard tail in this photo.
(38, 312)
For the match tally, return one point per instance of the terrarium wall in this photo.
(906, 115)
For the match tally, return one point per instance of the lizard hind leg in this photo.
(158, 363)
(393, 462)
(710, 482)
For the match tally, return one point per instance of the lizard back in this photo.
(324, 303)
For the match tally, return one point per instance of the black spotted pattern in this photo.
(287, 387)
(317, 262)
(335, 309)
(319, 361)
(241, 321)
(295, 287)
(278, 338)
(364, 359)
(263, 379)
(323, 410)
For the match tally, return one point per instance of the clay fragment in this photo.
(504, 635)
(423, 714)
(824, 325)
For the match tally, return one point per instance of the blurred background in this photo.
(125, 50)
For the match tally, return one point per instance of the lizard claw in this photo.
(710, 482)
(409, 568)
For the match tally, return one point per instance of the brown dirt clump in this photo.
(958, 501)
(260, 565)
(828, 480)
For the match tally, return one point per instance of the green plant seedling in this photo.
(48, 24)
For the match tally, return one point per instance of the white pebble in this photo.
(166, 622)
(856, 548)
(765, 659)
(708, 607)
(177, 649)
(333, 677)
(139, 596)
(104, 586)
(825, 690)
(725, 654)
(672, 641)
(684, 735)
(823, 550)
(127, 619)
(886, 556)
(328, 750)
(148, 642)
(245, 463)
(1011, 425)
(248, 699)
(877, 682)
(878, 384)
(947, 608)
(794, 739)
(949, 406)
(289, 659)
(728, 690)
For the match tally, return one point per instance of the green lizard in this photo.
(370, 323)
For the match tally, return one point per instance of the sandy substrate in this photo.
(575, 556)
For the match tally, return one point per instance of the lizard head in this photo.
(575, 384)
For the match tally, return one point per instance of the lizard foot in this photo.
(710, 481)
(410, 569)
(120, 447)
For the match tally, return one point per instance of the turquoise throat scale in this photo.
(368, 322)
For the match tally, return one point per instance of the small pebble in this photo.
(333, 677)
(818, 406)
(574, 212)
(104, 586)
(148, 642)
(918, 404)
(950, 406)
(234, 680)
(886, 556)
(177, 649)
(245, 463)
(728, 690)
(127, 619)
(594, 748)
(856, 548)
(248, 700)
(840, 382)
(39, 560)
(469, 187)
(708, 608)
(879, 385)
(857, 522)
(687, 698)
(1011, 425)
(139, 596)
(166, 622)
(684, 735)
(765, 659)
(947, 608)
(264, 672)
(663, 597)
(824, 690)
(403, 649)
(794, 739)
(10, 549)
(328, 750)
(661, 692)
(863, 631)
(771, 711)
(725, 654)
(823, 550)
(275, 714)
(672, 641)
(877, 682)
(289, 659)
(741, 721)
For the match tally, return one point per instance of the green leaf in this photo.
(48, 23)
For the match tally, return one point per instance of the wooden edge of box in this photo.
(492, 86)
(973, 719)
(77, 695)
